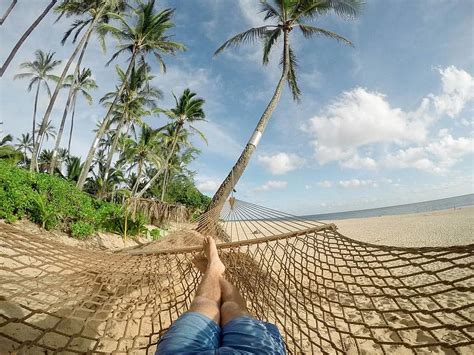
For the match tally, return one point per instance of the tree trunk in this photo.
(163, 187)
(231, 180)
(60, 132)
(5, 15)
(139, 174)
(113, 147)
(34, 111)
(165, 166)
(103, 126)
(81, 44)
(24, 37)
(72, 124)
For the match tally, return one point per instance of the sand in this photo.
(433, 229)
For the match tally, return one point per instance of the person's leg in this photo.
(208, 295)
(198, 330)
(233, 304)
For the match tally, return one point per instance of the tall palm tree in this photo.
(138, 153)
(144, 33)
(284, 15)
(38, 71)
(136, 98)
(49, 132)
(25, 145)
(188, 110)
(80, 84)
(97, 10)
(25, 35)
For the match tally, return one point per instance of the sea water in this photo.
(426, 206)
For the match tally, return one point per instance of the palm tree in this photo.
(137, 96)
(23, 38)
(187, 111)
(97, 10)
(73, 168)
(284, 16)
(25, 145)
(138, 153)
(49, 132)
(39, 73)
(8, 151)
(80, 84)
(143, 34)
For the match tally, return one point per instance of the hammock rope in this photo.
(326, 293)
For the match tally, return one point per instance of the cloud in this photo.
(356, 183)
(325, 183)
(360, 119)
(280, 163)
(271, 185)
(436, 157)
(458, 89)
(206, 184)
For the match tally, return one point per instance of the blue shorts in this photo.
(194, 333)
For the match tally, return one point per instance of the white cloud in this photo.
(356, 162)
(357, 118)
(205, 184)
(436, 157)
(458, 89)
(356, 183)
(360, 119)
(281, 163)
(271, 185)
(325, 183)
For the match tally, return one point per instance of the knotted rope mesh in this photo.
(325, 292)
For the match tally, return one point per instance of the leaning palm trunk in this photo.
(164, 167)
(5, 15)
(163, 187)
(72, 124)
(113, 148)
(81, 44)
(24, 37)
(34, 112)
(231, 180)
(60, 134)
(103, 127)
(71, 98)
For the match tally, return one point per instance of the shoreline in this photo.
(448, 227)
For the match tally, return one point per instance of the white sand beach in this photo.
(437, 228)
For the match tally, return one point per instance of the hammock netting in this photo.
(326, 293)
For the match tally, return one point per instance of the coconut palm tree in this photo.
(142, 32)
(73, 168)
(80, 84)
(25, 35)
(141, 152)
(49, 132)
(7, 150)
(136, 98)
(25, 145)
(39, 73)
(284, 16)
(187, 111)
(97, 10)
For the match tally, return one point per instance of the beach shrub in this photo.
(81, 229)
(53, 202)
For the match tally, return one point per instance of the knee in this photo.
(231, 310)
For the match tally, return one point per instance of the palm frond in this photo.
(310, 31)
(248, 36)
(270, 40)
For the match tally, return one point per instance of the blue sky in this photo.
(384, 123)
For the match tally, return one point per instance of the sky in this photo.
(387, 122)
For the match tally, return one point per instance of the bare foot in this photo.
(210, 261)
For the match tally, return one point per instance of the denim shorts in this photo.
(194, 333)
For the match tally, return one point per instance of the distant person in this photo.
(218, 321)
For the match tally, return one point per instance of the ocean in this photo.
(426, 206)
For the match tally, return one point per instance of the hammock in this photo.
(325, 292)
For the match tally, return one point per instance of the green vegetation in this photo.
(55, 203)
